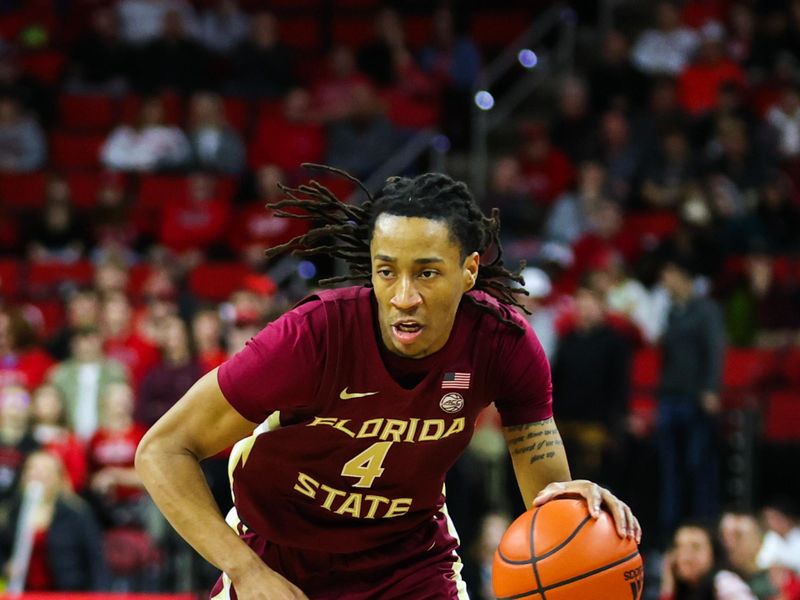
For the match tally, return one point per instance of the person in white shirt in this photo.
(141, 21)
(150, 145)
(666, 49)
(784, 117)
(782, 541)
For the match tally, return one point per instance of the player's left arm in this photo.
(542, 471)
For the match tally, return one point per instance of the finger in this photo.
(617, 510)
(551, 491)
(630, 522)
(637, 528)
(595, 500)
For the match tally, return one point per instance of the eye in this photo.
(428, 274)
(384, 272)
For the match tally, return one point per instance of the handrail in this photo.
(484, 122)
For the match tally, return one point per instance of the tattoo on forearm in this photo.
(528, 442)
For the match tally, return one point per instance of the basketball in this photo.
(557, 551)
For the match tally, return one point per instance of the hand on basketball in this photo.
(597, 498)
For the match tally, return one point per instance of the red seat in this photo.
(51, 312)
(216, 281)
(410, 113)
(83, 186)
(44, 278)
(339, 186)
(96, 113)
(23, 190)
(304, 33)
(496, 30)
(646, 368)
(353, 31)
(11, 24)
(658, 225)
(155, 190)
(782, 420)
(75, 150)
(745, 368)
(45, 65)
(9, 278)
(236, 113)
(286, 144)
(137, 277)
(419, 30)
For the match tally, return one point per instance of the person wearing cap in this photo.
(543, 317)
(692, 348)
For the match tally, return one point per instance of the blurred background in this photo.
(645, 157)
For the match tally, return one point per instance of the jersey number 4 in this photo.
(367, 466)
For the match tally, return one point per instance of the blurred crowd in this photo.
(653, 192)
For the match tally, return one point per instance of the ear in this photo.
(471, 265)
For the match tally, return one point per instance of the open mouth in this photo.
(406, 332)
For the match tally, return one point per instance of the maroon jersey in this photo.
(358, 460)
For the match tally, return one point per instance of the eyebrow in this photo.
(419, 261)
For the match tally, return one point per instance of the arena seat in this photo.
(9, 278)
(216, 281)
(658, 224)
(83, 187)
(782, 418)
(44, 65)
(51, 312)
(419, 30)
(408, 112)
(87, 113)
(44, 278)
(237, 113)
(352, 31)
(23, 190)
(646, 368)
(173, 109)
(497, 30)
(302, 33)
(75, 150)
(155, 190)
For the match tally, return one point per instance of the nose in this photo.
(406, 295)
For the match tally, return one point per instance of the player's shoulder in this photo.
(500, 319)
(322, 303)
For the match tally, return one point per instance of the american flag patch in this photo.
(456, 381)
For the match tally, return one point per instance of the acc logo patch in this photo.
(452, 402)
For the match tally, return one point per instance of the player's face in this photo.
(419, 277)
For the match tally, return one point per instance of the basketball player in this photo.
(352, 407)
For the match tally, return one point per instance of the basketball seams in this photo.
(532, 551)
(541, 590)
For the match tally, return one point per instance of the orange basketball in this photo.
(559, 552)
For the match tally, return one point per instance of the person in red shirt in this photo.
(121, 341)
(698, 85)
(21, 361)
(113, 481)
(547, 170)
(51, 430)
(207, 333)
(350, 408)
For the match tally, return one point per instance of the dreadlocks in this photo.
(346, 231)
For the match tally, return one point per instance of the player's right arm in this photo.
(200, 425)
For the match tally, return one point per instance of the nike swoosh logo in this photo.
(345, 395)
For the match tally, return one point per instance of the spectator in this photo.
(116, 490)
(196, 223)
(83, 310)
(83, 378)
(101, 60)
(51, 430)
(738, 160)
(570, 216)
(692, 349)
(289, 139)
(142, 20)
(378, 58)
(333, 93)
(782, 540)
(16, 442)
(591, 369)
(662, 113)
(148, 146)
(57, 233)
(741, 536)
(542, 314)
(742, 28)
(574, 129)
(699, 83)
(622, 154)
(451, 57)
(784, 118)
(115, 229)
(761, 310)
(216, 146)
(614, 81)
(172, 61)
(668, 173)
(605, 237)
(262, 65)
(222, 26)
(172, 376)
(67, 552)
(22, 362)
(546, 169)
(694, 569)
(493, 526)
(207, 333)
(22, 143)
(121, 341)
(777, 215)
(110, 277)
(363, 142)
(522, 218)
(667, 48)
(256, 227)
